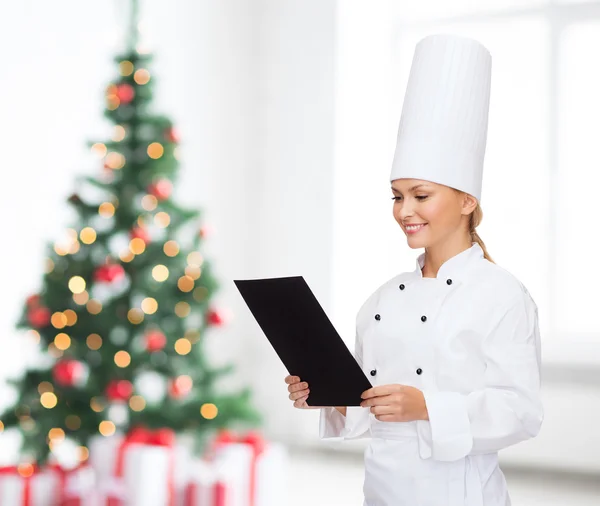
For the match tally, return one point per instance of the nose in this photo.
(404, 210)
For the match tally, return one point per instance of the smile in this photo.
(411, 229)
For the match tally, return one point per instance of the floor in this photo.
(336, 480)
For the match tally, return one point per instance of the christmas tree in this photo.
(125, 304)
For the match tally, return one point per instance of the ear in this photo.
(469, 204)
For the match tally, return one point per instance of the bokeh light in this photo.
(107, 428)
(137, 403)
(48, 400)
(126, 68)
(155, 150)
(87, 235)
(58, 320)
(160, 273)
(183, 346)
(94, 342)
(171, 248)
(115, 160)
(149, 202)
(209, 411)
(77, 284)
(149, 305)
(122, 358)
(106, 209)
(182, 309)
(135, 316)
(62, 341)
(71, 317)
(141, 76)
(94, 307)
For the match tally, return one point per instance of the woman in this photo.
(452, 349)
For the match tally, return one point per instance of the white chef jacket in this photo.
(469, 339)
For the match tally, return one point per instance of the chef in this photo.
(452, 348)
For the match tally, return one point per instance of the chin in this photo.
(413, 244)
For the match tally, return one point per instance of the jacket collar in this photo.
(454, 265)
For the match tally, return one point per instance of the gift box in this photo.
(136, 469)
(206, 487)
(249, 470)
(28, 485)
(77, 487)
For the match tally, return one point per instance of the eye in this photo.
(419, 197)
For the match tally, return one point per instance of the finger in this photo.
(300, 402)
(292, 379)
(298, 386)
(298, 395)
(378, 401)
(385, 409)
(381, 390)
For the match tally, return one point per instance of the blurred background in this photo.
(287, 114)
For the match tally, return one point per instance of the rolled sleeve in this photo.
(334, 425)
(508, 410)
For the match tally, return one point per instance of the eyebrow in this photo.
(410, 189)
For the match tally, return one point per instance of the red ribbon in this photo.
(219, 494)
(256, 442)
(62, 498)
(144, 436)
(10, 470)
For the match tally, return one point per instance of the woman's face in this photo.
(430, 213)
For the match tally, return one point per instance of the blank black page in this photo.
(305, 339)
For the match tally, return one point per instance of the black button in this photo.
(423, 318)
(419, 370)
(377, 317)
(401, 287)
(448, 281)
(373, 372)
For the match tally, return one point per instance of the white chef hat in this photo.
(443, 127)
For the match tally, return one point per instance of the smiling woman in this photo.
(437, 418)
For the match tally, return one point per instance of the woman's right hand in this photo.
(298, 392)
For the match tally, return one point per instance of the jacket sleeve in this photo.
(508, 409)
(335, 426)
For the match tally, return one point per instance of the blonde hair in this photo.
(474, 221)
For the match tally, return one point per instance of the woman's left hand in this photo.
(396, 403)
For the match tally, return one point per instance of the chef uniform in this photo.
(468, 338)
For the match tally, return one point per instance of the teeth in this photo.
(413, 227)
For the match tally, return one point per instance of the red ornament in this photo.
(33, 300)
(155, 340)
(172, 135)
(39, 317)
(69, 373)
(109, 273)
(180, 387)
(205, 231)
(215, 317)
(119, 390)
(125, 92)
(140, 233)
(161, 189)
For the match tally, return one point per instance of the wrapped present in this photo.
(206, 486)
(28, 485)
(253, 471)
(136, 469)
(76, 486)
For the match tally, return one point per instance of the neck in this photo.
(437, 254)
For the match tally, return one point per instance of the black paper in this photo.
(305, 339)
